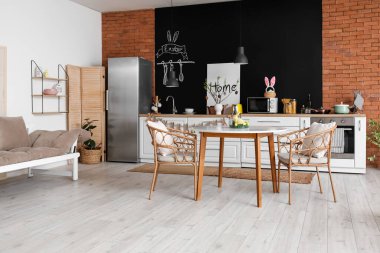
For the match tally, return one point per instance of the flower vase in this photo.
(218, 109)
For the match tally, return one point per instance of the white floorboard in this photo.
(107, 210)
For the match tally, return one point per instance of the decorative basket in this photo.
(270, 94)
(90, 156)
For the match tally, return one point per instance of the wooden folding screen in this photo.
(87, 99)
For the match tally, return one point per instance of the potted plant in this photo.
(374, 136)
(90, 152)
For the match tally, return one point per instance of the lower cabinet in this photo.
(231, 157)
(241, 152)
(248, 158)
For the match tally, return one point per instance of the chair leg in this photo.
(290, 183)
(332, 184)
(319, 180)
(195, 180)
(278, 176)
(154, 179)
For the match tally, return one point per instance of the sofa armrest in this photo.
(73, 148)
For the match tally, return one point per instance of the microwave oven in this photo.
(262, 105)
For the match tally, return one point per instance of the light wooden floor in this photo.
(107, 210)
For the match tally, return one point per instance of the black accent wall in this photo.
(281, 38)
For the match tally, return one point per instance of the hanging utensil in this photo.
(181, 76)
(165, 73)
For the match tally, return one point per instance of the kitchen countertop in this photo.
(253, 115)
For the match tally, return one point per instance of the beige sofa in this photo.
(18, 150)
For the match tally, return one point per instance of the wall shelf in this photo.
(40, 101)
(41, 113)
(49, 78)
(43, 95)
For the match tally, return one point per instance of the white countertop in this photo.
(249, 130)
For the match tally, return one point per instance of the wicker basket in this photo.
(88, 156)
(270, 94)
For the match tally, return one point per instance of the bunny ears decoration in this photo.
(169, 36)
(269, 90)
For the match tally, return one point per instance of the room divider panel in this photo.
(87, 100)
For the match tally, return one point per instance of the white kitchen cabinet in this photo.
(241, 153)
(291, 123)
(195, 122)
(274, 121)
(232, 146)
(248, 158)
(360, 142)
(304, 122)
(145, 140)
(231, 157)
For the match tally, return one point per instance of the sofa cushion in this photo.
(171, 158)
(54, 139)
(25, 154)
(162, 138)
(301, 159)
(8, 157)
(40, 152)
(318, 141)
(13, 133)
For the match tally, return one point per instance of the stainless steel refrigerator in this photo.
(129, 93)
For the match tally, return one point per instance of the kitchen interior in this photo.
(231, 76)
(208, 68)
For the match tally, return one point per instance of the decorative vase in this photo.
(218, 109)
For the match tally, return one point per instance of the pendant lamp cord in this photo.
(171, 17)
(240, 24)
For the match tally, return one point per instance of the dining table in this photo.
(256, 133)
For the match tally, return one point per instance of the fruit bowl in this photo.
(237, 122)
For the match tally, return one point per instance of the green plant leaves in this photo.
(373, 135)
(90, 144)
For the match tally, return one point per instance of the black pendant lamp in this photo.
(172, 80)
(240, 56)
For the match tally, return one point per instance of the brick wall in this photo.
(129, 34)
(351, 55)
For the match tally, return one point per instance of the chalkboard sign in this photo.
(281, 38)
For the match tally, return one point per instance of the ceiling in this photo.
(127, 5)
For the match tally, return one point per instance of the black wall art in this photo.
(281, 38)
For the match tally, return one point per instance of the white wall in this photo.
(51, 33)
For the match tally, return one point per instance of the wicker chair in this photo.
(292, 153)
(180, 148)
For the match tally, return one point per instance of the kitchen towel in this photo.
(337, 145)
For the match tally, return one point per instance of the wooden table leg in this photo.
(202, 152)
(258, 169)
(272, 161)
(221, 154)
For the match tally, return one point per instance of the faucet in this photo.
(173, 107)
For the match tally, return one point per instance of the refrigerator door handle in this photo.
(106, 100)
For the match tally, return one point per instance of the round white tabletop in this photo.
(249, 130)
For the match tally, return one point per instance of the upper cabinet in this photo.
(49, 94)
